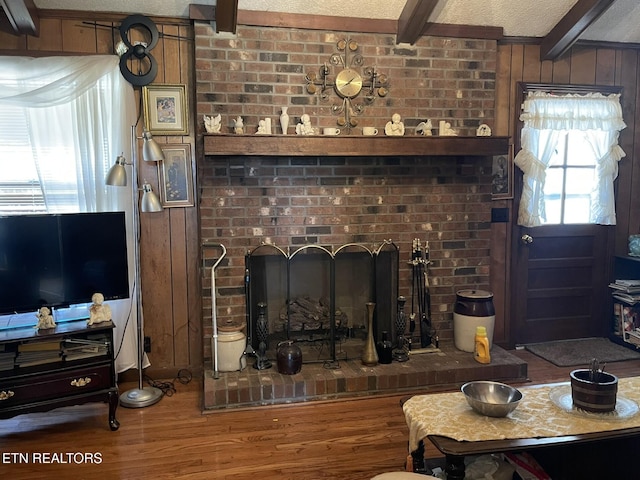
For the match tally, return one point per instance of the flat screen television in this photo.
(57, 260)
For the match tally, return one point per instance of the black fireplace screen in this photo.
(317, 297)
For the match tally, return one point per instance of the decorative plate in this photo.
(561, 397)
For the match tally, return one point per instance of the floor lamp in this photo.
(117, 176)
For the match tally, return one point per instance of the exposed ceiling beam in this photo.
(570, 27)
(224, 13)
(414, 19)
(22, 16)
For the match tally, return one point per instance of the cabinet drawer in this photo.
(54, 385)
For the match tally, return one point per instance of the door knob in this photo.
(526, 239)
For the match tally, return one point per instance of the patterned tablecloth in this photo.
(449, 415)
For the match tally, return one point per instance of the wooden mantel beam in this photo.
(22, 16)
(568, 30)
(413, 20)
(224, 13)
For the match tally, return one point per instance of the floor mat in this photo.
(569, 353)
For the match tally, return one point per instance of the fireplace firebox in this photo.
(316, 296)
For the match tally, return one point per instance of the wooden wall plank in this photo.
(605, 66)
(77, 37)
(531, 71)
(50, 38)
(583, 66)
(179, 286)
(562, 69)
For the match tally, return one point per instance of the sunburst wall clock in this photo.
(355, 86)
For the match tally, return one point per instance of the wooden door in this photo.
(560, 282)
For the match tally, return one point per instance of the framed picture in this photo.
(502, 176)
(165, 109)
(176, 176)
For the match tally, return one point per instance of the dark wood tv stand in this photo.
(90, 377)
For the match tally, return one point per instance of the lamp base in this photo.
(138, 398)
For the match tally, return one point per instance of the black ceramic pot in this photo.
(289, 358)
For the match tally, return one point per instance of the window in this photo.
(571, 178)
(63, 121)
(569, 157)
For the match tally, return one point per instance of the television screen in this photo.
(61, 260)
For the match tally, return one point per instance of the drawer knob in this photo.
(80, 382)
(6, 395)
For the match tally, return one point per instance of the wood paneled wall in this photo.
(582, 65)
(169, 240)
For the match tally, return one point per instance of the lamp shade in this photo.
(117, 175)
(151, 151)
(150, 201)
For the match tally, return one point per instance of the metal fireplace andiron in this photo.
(316, 297)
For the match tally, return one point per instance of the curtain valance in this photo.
(41, 82)
(593, 111)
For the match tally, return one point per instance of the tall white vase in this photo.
(284, 120)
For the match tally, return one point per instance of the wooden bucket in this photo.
(594, 393)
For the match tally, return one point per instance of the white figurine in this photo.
(483, 130)
(262, 128)
(213, 124)
(424, 128)
(304, 127)
(238, 125)
(45, 319)
(445, 130)
(395, 126)
(98, 312)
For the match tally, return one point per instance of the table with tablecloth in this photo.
(537, 416)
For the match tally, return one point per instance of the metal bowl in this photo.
(492, 399)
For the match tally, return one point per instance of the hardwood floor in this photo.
(347, 439)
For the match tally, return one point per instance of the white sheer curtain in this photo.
(545, 117)
(79, 112)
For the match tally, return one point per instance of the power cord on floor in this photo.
(184, 376)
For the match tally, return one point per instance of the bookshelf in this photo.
(71, 364)
(625, 293)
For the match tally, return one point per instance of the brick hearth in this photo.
(446, 369)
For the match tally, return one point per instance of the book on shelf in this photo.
(73, 351)
(38, 346)
(627, 298)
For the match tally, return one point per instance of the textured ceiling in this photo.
(519, 18)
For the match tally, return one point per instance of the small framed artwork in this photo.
(165, 109)
(176, 176)
(502, 176)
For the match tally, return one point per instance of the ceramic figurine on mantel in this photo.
(304, 127)
(284, 120)
(445, 129)
(264, 127)
(424, 128)
(395, 126)
(238, 125)
(213, 124)
(483, 130)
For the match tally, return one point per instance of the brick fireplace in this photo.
(277, 190)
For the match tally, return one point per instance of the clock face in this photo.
(348, 83)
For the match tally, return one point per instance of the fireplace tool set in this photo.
(420, 294)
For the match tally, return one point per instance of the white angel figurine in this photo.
(98, 312)
(304, 127)
(445, 129)
(45, 319)
(395, 126)
(213, 124)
